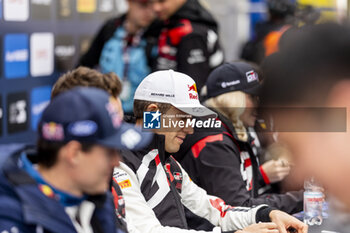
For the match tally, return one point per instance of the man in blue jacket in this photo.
(66, 190)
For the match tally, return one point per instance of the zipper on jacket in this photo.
(177, 197)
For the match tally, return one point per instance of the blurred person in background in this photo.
(312, 72)
(189, 41)
(225, 161)
(62, 184)
(271, 147)
(268, 33)
(86, 77)
(120, 47)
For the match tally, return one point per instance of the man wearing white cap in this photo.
(157, 189)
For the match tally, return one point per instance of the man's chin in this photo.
(97, 191)
(162, 17)
(173, 150)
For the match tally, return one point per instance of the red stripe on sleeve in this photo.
(198, 147)
(265, 177)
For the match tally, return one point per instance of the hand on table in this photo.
(285, 221)
(266, 227)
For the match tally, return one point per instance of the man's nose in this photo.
(188, 130)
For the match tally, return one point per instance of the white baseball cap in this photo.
(175, 88)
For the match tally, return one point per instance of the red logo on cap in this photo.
(193, 88)
(112, 109)
(53, 131)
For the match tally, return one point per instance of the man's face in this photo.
(164, 9)
(141, 14)
(94, 169)
(175, 136)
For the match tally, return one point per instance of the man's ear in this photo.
(152, 108)
(71, 152)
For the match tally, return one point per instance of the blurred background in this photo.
(41, 39)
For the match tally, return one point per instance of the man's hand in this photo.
(276, 170)
(285, 221)
(266, 227)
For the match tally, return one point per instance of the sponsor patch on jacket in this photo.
(46, 190)
(119, 176)
(220, 205)
(196, 56)
(125, 184)
(177, 176)
(82, 128)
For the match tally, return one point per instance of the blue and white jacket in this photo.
(113, 50)
(26, 209)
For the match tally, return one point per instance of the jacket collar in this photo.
(37, 208)
(157, 143)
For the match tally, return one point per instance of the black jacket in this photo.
(226, 167)
(189, 43)
(91, 57)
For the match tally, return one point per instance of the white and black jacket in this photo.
(156, 189)
(225, 166)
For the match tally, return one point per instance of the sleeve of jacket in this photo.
(92, 56)
(11, 216)
(215, 210)
(139, 216)
(193, 58)
(7, 225)
(220, 162)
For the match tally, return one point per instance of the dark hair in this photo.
(47, 152)
(83, 76)
(311, 62)
(140, 106)
(281, 8)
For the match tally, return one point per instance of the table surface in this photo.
(323, 228)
